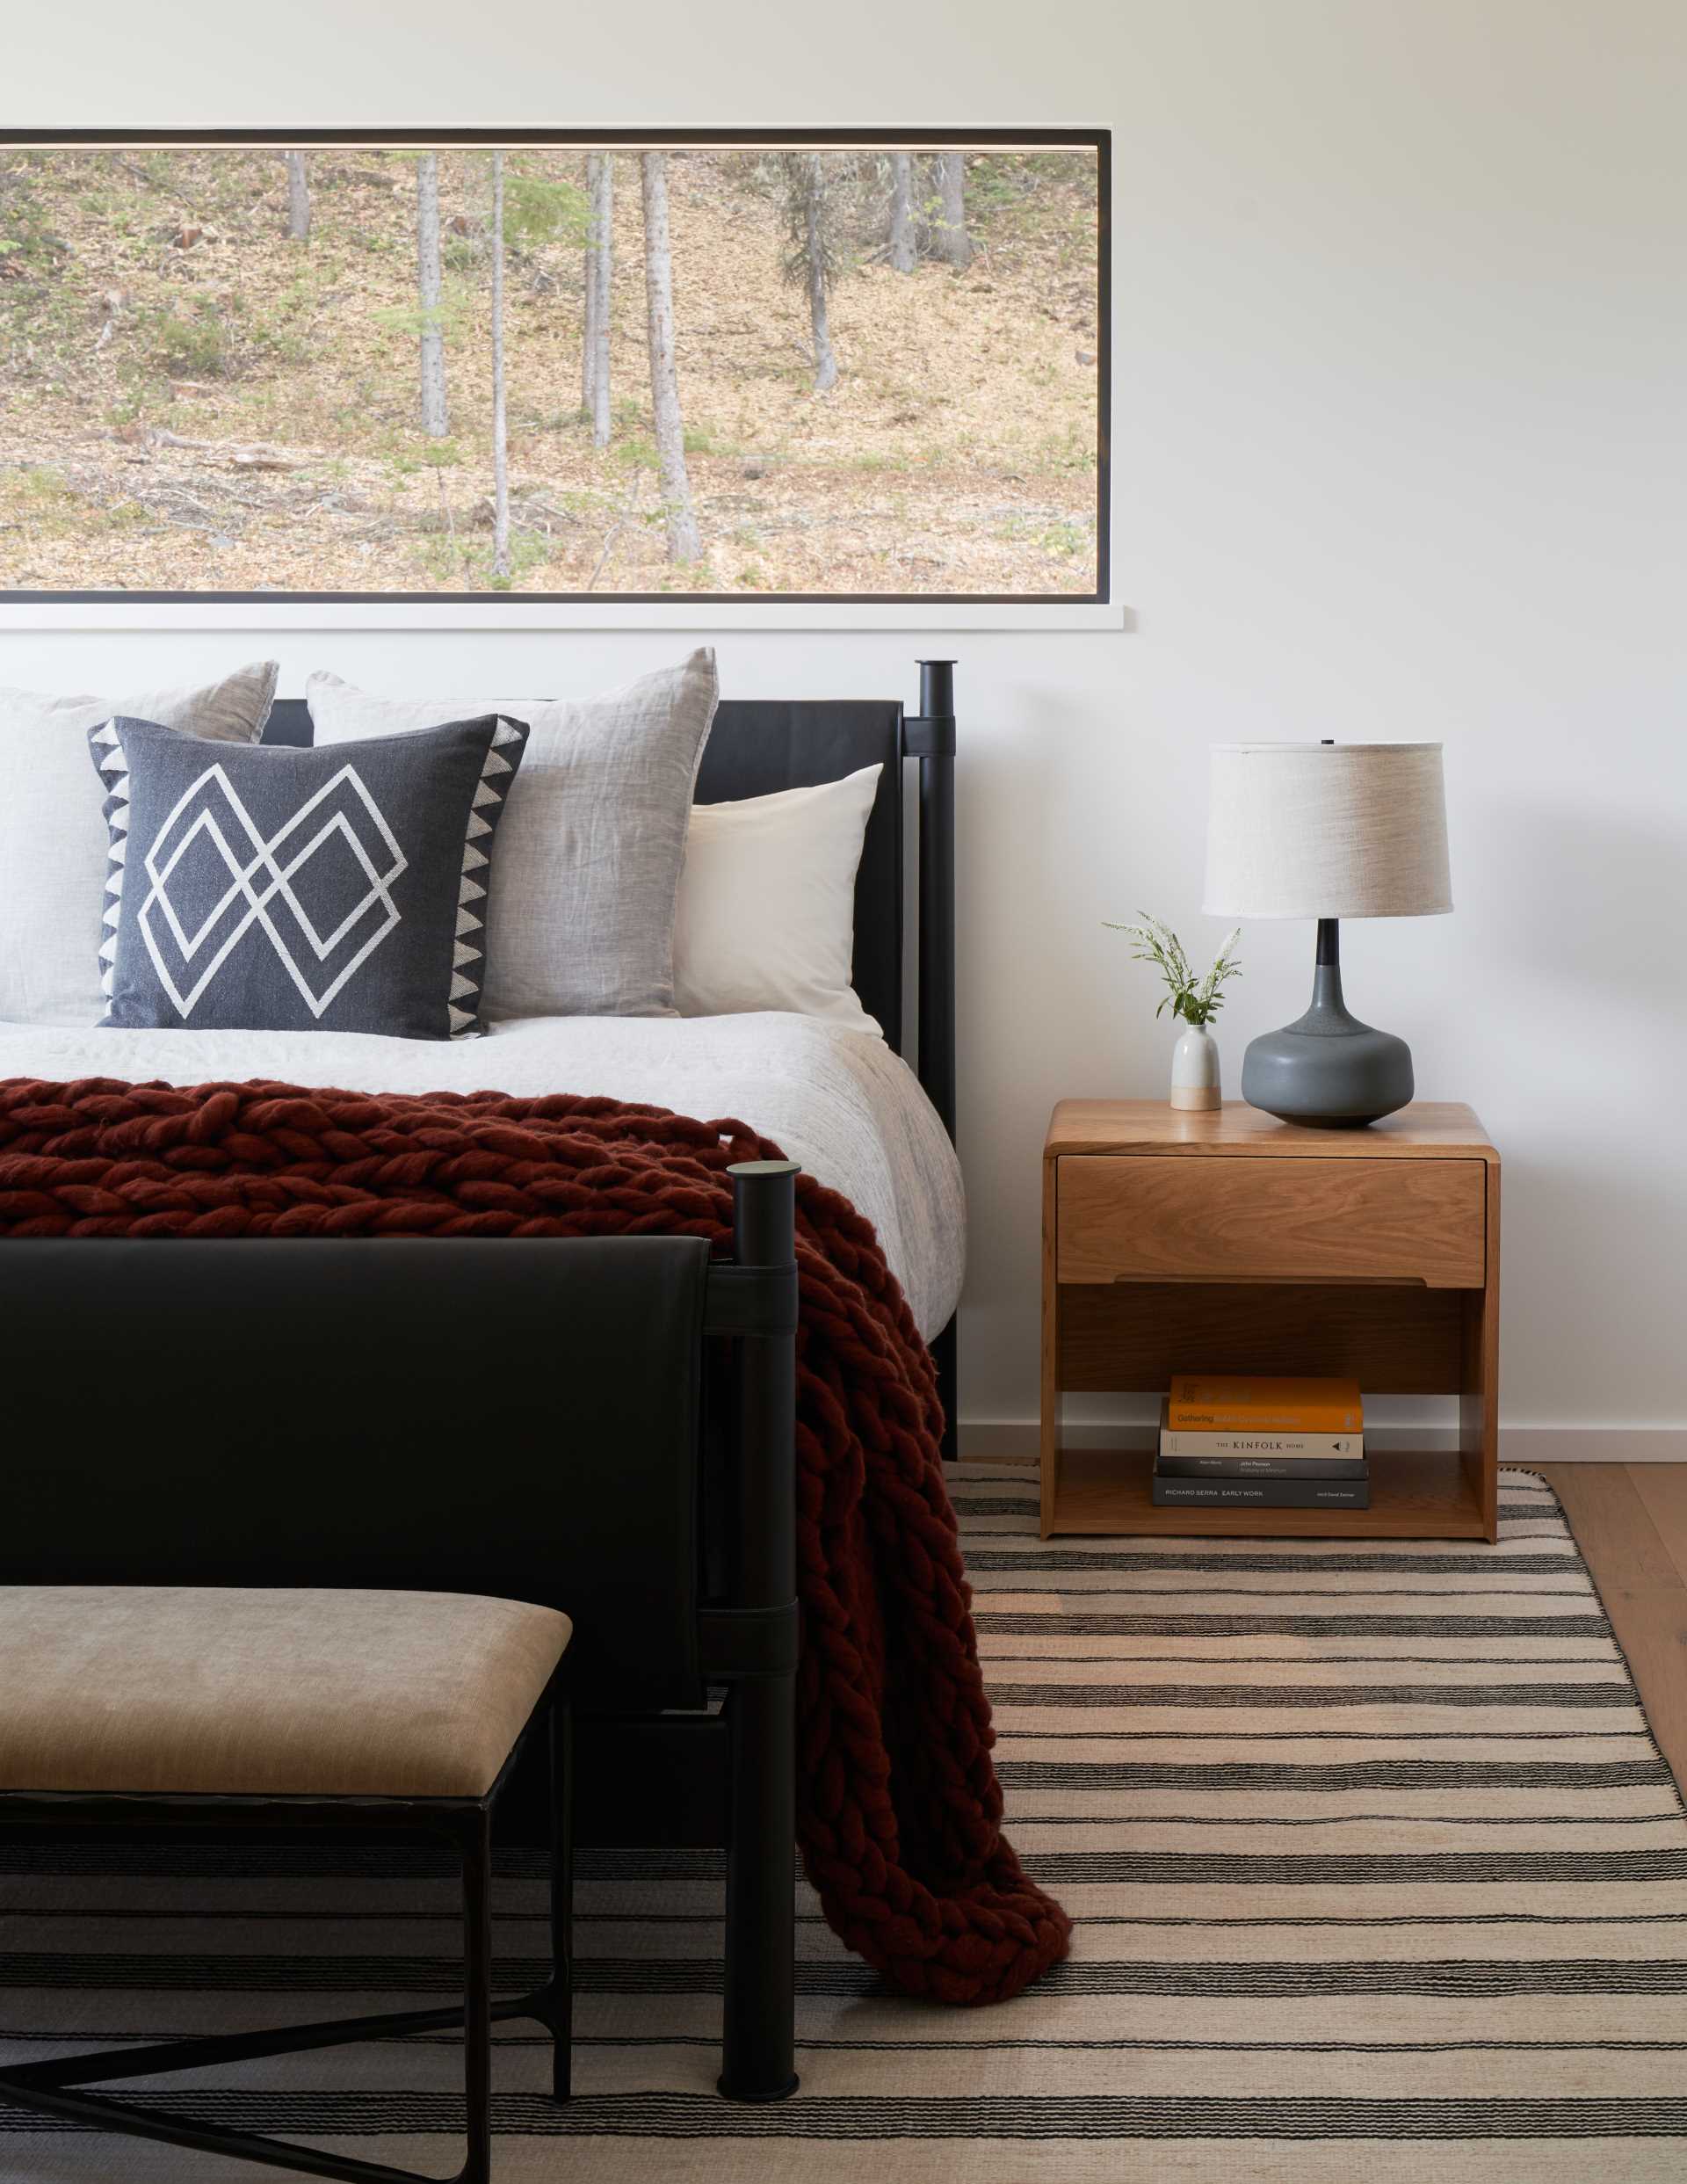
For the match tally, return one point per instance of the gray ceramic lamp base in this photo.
(1326, 1070)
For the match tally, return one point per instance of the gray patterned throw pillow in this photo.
(267, 888)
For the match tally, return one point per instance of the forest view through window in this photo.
(554, 369)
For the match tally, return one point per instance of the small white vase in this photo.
(1195, 1070)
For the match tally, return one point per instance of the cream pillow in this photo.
(53, 833)
(766, 917)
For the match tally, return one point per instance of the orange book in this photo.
(1215, 1402)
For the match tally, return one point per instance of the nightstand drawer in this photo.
(1288, 1219)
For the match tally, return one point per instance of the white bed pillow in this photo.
(579, 916)
(53, 834)
(767, 904)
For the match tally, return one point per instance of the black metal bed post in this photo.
(931, 738)
(758, 2046)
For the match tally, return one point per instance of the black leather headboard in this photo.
(759, 745)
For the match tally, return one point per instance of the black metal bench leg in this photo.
(477, 1996)
(561, 1900)
(55, 2087)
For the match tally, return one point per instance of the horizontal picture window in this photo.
(554, 368)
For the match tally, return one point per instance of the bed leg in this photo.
(946, 1356)
(758, 2048)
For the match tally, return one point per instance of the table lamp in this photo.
(1327, 831)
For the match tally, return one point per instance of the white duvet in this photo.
(839, 1101)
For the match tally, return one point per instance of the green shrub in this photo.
(196, 347)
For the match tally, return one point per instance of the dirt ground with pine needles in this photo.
(190, 401)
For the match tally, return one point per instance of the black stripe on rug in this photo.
(1020, 2118)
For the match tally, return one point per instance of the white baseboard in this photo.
(1592, 1444)
(1005, 1440)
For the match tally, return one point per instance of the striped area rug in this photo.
(1377, 1872)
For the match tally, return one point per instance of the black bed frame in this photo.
(185, 1340)
(759, 745)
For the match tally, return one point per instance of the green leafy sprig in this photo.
(1155, 942)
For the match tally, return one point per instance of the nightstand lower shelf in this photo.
(1414, 1494)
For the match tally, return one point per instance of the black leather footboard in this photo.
(511, 1416)
(504, 1416)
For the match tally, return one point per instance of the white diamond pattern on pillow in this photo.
(263, 874)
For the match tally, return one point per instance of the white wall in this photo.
(1402, 411)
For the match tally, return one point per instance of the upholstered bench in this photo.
(150, 1706)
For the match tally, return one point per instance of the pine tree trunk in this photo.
(901, 212)
(435, 418)
(588, 329)
(298, 198)
(500, 433)
(684, 543)
(953, 244)
(603, 217)
(825, 361)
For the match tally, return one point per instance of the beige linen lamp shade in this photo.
(1327, 831)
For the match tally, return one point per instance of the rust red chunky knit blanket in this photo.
(899, 1807)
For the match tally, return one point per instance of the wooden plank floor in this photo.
(1630, 1520)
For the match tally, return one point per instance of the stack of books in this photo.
(1234, 1441)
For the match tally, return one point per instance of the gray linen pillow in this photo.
(281, 889)
(53, 840)
(581, 916)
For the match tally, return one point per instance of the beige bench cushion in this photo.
(201, 1690)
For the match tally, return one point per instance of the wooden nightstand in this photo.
(1233, 1242)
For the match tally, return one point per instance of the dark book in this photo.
(1175, 1493)
(1260, 1468)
